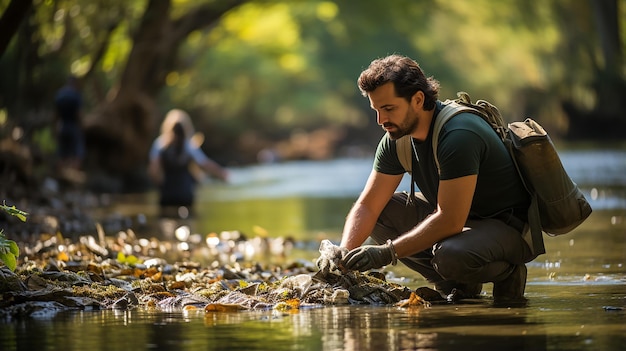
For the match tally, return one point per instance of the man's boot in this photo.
(510, 291)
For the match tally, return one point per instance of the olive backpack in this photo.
(557, 204)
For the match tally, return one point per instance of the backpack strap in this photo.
(404, 149)
(451, 109)
(405, 153)
(404, 145)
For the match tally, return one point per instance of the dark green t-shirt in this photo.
(467, 146)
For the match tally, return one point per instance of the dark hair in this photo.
(178, 130)
(179, 137)
(405, 74)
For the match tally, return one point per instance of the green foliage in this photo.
(45, 141)
(278, 66)
(130, 260)
(9, 251)
(13, 211)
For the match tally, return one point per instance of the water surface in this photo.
(576, 291)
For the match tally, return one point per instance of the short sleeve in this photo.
(155, 149)
(459, 153)
(196, 153)
(386, 160)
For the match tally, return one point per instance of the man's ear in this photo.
(417, 100)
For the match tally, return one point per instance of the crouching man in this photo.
(464, 227)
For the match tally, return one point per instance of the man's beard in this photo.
(406, 127)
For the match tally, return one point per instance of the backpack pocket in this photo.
(562, 206)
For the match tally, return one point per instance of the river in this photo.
(576, 291)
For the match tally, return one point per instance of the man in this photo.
(464, 227)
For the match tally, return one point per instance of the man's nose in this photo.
(380, 118)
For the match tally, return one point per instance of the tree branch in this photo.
(201, 17)
(11, 19)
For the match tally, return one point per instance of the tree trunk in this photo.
(609, 83)
(605, 120)
(120, 131)
(11, 19)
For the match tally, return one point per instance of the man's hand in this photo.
(369, 257)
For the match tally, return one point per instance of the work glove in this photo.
(369, 257)
(330, 257)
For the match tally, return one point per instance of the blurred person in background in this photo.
(70, 141)
(172, 159)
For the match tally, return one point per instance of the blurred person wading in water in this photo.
(172, 155)
(71, 149)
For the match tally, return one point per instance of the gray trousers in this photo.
(486, 252)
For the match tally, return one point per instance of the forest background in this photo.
(279, 77)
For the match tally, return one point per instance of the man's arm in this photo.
(364, 213)
(455, 199)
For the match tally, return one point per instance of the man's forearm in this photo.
(359, 224)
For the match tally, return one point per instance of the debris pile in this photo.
(124, 272)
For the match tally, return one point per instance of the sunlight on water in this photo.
(601, 174)
(315, 196)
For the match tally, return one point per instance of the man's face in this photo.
(394, 114)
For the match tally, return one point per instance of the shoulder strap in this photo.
(404, 148)
(405, 154)
(451, 109)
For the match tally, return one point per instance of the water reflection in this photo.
(557, 318)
